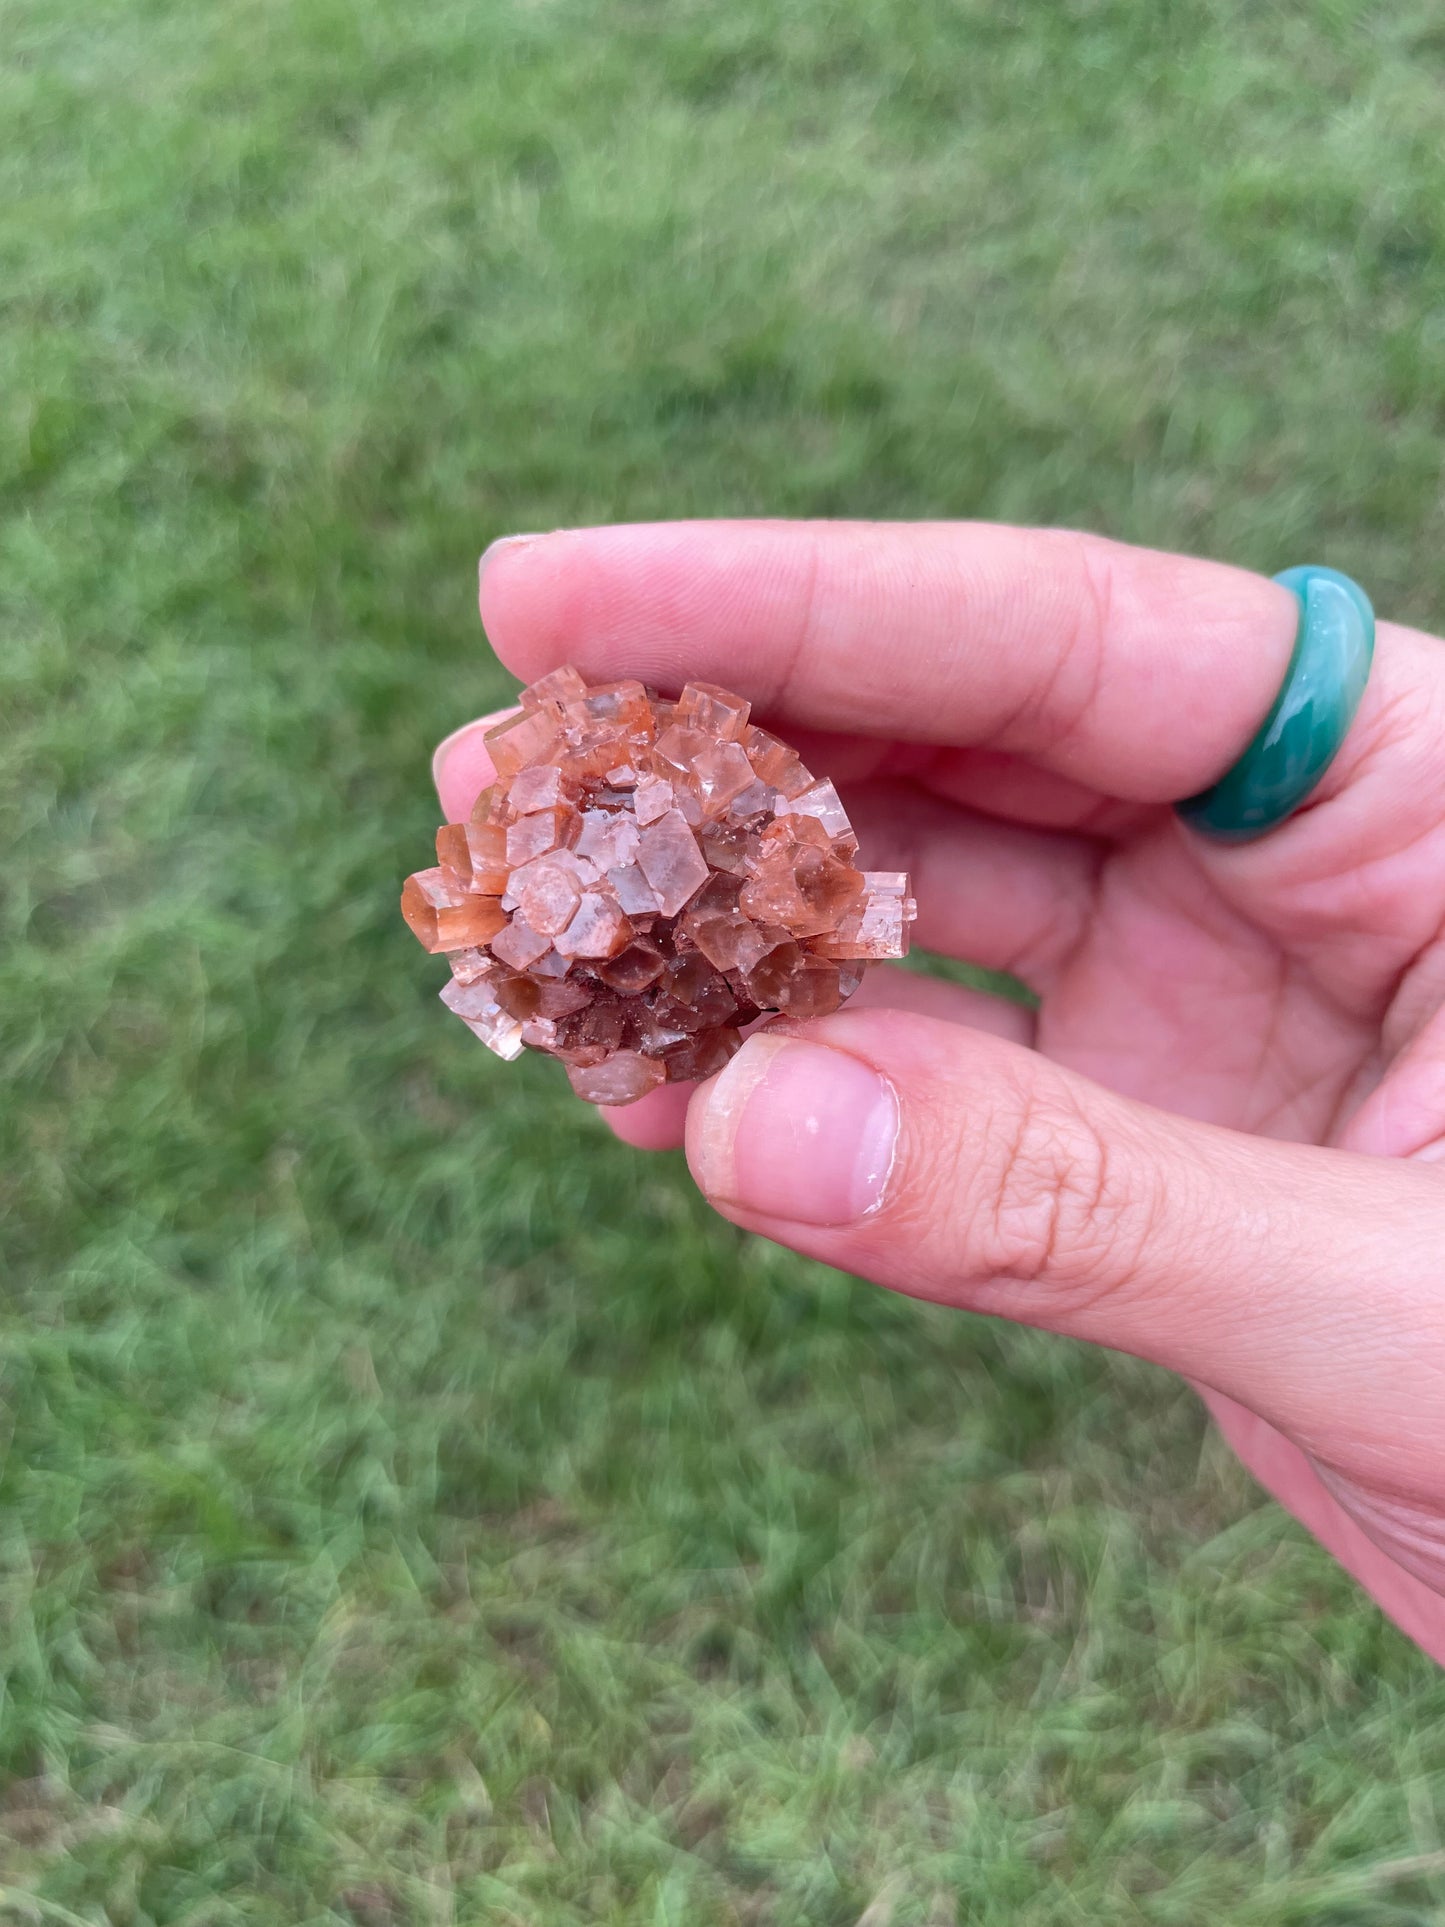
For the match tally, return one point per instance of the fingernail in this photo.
(796, 1130)
(510, 542)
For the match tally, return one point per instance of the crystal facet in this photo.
(643, 879)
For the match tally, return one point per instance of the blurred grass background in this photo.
(413, 1509)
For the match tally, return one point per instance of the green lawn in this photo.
(413, 1509)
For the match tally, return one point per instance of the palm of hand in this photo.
(1186, 997)
(1279, 997)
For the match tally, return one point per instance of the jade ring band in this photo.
(1302, 734)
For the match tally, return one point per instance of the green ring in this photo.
(1302, 734)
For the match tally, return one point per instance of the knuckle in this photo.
(1059, 1205)
(1072, 691)
(1065, 689)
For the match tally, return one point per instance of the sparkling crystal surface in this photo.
(643, 879)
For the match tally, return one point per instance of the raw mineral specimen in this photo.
(644, 878)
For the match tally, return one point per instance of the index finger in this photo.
(1141, 674)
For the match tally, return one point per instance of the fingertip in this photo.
(655, 600)
(526, 589)
(462, 767)
(654, 1123)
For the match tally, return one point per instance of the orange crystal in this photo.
(643, 879)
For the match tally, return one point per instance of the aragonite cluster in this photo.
(642, 880)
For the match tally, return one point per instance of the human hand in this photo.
(1220, 1141)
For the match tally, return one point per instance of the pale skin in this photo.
(1220, 1142)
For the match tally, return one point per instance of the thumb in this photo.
(952, 1165)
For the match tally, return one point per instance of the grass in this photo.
(413, 1509)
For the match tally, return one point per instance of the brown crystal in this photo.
(643, 879)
